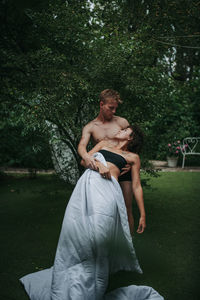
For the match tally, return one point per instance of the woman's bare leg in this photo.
(126, 187)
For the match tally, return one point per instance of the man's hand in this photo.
(90, 162)
(125, 169)
(103, 171)
(142, 225)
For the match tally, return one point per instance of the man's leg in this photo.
(126, 187)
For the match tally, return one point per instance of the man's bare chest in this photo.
(104, 131)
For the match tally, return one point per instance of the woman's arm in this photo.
(138, 192)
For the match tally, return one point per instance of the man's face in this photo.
(108, 108)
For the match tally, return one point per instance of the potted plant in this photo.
(174, 149)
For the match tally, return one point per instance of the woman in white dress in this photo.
(95, 239)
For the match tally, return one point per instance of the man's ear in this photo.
(101, 104)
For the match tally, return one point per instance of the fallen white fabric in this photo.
(94, 242)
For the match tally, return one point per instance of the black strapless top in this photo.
(114, 158)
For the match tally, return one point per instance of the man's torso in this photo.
(107, 130)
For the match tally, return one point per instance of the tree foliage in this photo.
(57, 56)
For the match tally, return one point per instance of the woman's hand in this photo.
(142, 225)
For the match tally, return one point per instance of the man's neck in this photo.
(101, 118)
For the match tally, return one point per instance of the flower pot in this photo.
(172, 161)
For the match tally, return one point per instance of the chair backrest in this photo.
(191, 145)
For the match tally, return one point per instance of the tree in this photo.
(71, 50)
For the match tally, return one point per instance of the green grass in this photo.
(31, 213)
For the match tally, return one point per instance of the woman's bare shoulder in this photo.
(133, 157)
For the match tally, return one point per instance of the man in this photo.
(105, 126)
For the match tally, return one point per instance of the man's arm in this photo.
(103, 170)
(82, 148)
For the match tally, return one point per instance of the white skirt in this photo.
(94, 242)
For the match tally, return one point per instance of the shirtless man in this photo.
(105, 126)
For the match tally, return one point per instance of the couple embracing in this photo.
(95, 238)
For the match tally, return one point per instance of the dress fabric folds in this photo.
(94, 242)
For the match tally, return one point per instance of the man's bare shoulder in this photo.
(89, 126)
(122, 122)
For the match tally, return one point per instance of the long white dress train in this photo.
(94, 242)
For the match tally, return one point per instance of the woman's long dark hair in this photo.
(135, 145)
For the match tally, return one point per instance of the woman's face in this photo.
(124, 134)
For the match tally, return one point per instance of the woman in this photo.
(95, 239)
(127, 143)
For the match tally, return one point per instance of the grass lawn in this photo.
(31, 213)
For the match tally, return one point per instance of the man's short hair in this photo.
(109, 93)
